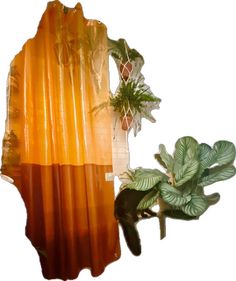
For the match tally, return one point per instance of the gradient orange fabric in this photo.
(56, 150)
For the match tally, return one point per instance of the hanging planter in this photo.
(126, 122)
(124, 57)
(126, 70)
(133, 100)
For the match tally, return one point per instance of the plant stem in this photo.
(162, 223)
(162, 218)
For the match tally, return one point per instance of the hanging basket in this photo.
(126, 122)
(125, 70)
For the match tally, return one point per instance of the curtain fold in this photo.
(56, 150)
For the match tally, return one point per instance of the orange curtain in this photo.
(56, 150)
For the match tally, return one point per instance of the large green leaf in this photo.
(142, 172)
(222, 173)
(145, 179)
(173, 196)
(148, 200)
(207, 157)
(186, 172)
(186, 149)
(166, 158)
(196, 206)
(225, 152)
(144, 183)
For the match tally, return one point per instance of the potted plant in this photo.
(132, 98)
(124, 57)
(179, 191)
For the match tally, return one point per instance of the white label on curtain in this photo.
(109, 176)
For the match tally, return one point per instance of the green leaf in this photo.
(186, 149)
(225, 152)
(145, 179)
(196, 206)
(213, 198)
(166, 158)
(173, 196)
(186, 172)
(207, 157)
(142, 172)
(221, 174)
(144, 183)
(148, 200)
(157, 156)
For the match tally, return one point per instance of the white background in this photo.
(190, 62)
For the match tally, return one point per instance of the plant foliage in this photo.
(192, 167)
(131, 98)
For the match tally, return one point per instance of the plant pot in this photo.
(125, 70)
(126, 122)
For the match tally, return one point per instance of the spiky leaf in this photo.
(196, 206)
(173, 196)
(225, 152)
(148, 200)
(213, 198)
(166, 158)
(186, 172)
(221, 174)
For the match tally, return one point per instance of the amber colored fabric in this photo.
(56, 150)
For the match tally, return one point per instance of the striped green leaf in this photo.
(225, 152)
(142, 172)
(166, 158)
(173, 196)
(207, 157)
(186, 172)
(196, 206)
(148, 200)
(145, 182)
(219, 174)
(186, 149)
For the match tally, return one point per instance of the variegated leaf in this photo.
(173, 196)
(166, 158)
(186, 149)
(144, 183)
(225, 152)
(196, 206)
(186, 172)
(221, 174)
(148, 200)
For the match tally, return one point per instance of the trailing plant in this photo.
(179, 190)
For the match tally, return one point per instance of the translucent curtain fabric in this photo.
(56, 150)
